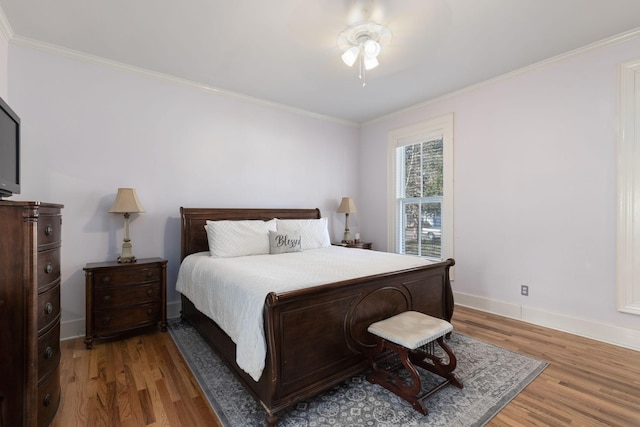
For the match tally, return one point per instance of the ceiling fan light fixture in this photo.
(370, 63)
(363, 42)
(371, 49)
(350, 56)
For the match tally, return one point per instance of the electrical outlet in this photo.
(524, 290)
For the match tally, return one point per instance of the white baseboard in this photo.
(623, 337)
(76, 328)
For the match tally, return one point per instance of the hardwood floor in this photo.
(587, 382)
(138, 381)
(143, 380)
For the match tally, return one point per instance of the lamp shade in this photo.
(347, 206)
(350, 55)
(126, 202)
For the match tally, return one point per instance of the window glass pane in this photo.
(413, 170)
(432, 168)
(411, 222)
(420, 199)
(431, 230)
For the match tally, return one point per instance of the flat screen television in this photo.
(9, 151)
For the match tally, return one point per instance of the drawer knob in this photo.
(149, 273)
(106, 320)
(106, 279)
(48, 268)
(149, 312)
(48, 230)
(149, 292)
(106, 298)
(48, 308)
(48, 352)
(47, 400)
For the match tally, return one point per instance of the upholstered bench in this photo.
(411, 335)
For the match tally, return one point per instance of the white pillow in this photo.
(229, 239)
(313, 232)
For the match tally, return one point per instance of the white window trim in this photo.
(628, 227)
(442, 125)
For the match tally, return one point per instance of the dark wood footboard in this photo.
(317, 337)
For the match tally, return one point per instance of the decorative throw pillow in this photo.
(282, 243)
(314, 232)
(229, 239)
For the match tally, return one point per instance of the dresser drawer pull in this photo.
(106, 320)
(106, 298)
(149, 292)
(48, 230)
(48, 308)
(149, 273)
(48, 268)
(149, 312)
(48, 352)
(47, 400)
(106, 279)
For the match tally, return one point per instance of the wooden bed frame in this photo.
(317, 337)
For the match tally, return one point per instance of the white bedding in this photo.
(232, 291)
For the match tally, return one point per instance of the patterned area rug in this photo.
(492, 377)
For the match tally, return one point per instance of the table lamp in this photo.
(346, 207)
(126, 202)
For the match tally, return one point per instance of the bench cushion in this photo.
(411, 329)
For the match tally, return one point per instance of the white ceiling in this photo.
(285, 52)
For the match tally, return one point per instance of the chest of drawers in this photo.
(29, 312)
(121, 298)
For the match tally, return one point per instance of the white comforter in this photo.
(232, 291)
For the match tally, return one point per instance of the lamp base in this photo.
(127, 254)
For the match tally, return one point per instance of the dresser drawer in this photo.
(49, 351)
(48, 307)
(48, 398)
(126, 276)
(49, 228)
(116, 320)
(48, 267)
(112, 297)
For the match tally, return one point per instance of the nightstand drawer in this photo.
(112, 297)
(117, 320)
(127, 276)
(48, 307)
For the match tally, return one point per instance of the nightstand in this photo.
(361, 245)
(121, 298)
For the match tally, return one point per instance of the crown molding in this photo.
(85, 57)
(620, 38)
(5, 27)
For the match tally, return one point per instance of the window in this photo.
(420, 189)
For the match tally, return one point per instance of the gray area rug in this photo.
(492, 377)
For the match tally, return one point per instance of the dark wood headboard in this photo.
(194, 235)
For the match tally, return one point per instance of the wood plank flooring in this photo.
(143, 380)
(138, 381)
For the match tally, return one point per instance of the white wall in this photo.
(89, 129)
(535, 190)
(4, 59)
